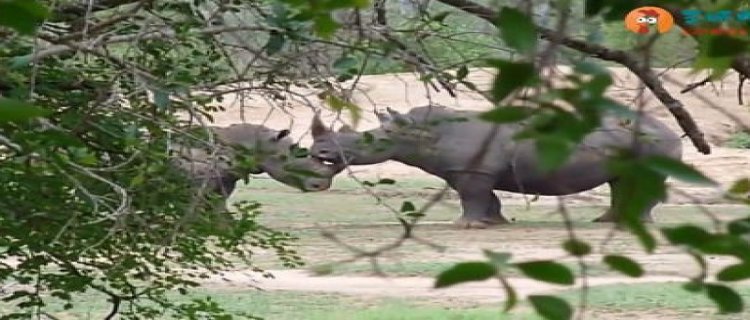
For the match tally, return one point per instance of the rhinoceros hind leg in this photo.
(481, 207)
(611, 216)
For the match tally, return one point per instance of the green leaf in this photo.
(644, 236)
(717, 52)
(591, 68)
(465, 272)
(592, 7)
(719, 244)
(22, 15)
(14, 110)
(550, 307)
(408, 206)
(440, 16)
(345, 63)
(624, 265)
(611, 9)
(507, 114)
(723, 244)
(338, 105)
(325, 26)
(512, 76)
(415, 214)
(499, 259)
(462, 72)
(275, 42)
(677, 169)
(547, 271)
(739, 227)
(741, 186)
(161, 99)
(637, 188)
(718, 65)
(687, 235)
(386, 181)
(694, 285)
(617, 109)
(735, 272)
(723, 46)
(577, 247)
(726, 298)
(598, 84)
(553, 151)
(517, 30)
(20, 61)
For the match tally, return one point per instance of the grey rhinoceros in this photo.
(272, 151)
(445, 143)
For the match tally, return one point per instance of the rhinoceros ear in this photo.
(281, 135)
(383, 118)
(318, 128)
(398, 118)
(346, 129)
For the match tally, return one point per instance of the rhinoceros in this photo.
(271, 149)
(445, 143)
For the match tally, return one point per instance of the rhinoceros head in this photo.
(252, 149)
(346, 146)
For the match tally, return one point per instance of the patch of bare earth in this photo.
(479, 292)
(715, 109)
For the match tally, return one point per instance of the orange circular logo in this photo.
(645, 19)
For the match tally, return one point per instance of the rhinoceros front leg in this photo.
(611, 216)
(480, 205)
(222, 185)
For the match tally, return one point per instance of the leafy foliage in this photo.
(90, 198)
(517, 30)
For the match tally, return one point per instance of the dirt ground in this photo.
(714, 107)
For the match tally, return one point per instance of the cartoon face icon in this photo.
(643, 20)
(646, 19)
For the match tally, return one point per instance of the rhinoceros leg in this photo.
(611, 216)
(480, 205)
(223, 185)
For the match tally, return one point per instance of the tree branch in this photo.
(649, 78)
(78, 9)
(163, 33)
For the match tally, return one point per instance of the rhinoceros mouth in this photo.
(335, 164)
(329, 161)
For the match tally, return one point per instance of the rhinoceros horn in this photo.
(317, 127)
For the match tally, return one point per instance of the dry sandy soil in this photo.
(715, 108)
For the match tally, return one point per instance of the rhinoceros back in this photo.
(458, 137)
